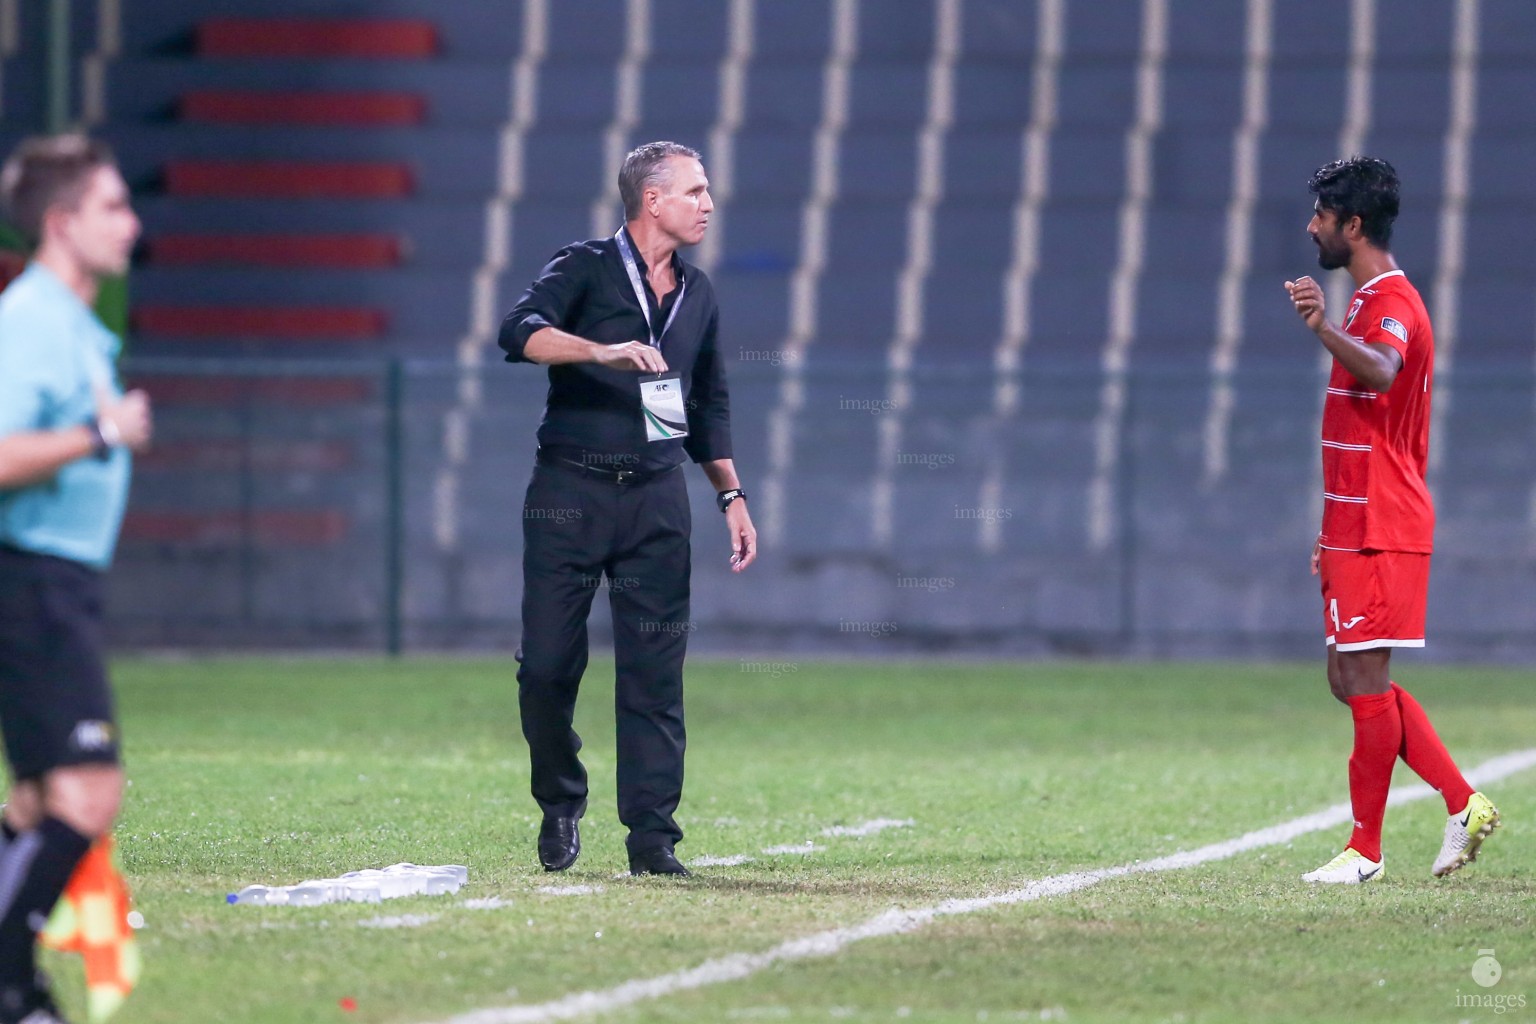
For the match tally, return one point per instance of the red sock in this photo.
(1425, 754)
(1378, 738)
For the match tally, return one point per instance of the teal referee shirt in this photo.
(54, 356)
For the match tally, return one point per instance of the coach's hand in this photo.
(1307, 296)
(743, 535)
(632, 355)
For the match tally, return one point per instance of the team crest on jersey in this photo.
(1354, 307)
(1395, 329)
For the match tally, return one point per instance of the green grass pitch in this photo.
(276, 770)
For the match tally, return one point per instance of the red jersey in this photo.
(1376, 444)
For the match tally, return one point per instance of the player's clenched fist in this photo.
(1307, 297)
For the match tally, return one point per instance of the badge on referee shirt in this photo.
(661, 403)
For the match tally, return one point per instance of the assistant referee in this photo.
(636, 384)
(66, 430)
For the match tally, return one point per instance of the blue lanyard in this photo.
(633, 270)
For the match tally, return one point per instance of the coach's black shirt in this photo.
(595, 411)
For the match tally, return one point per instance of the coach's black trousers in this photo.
(581, 533)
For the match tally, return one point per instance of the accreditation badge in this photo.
(661, 403)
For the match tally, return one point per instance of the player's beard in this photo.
(1331, 253)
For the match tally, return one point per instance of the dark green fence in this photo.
(378, 505)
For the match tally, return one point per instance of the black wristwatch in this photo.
(724, 498)
(101, 444)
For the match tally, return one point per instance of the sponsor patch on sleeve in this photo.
(1395, 329)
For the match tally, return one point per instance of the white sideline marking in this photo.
(487, 903)
(403, 921)
(791, 848)
(722, 862)
(569, 890)
(868, 828)
(896, 921)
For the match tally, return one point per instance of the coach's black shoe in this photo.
(559, 843)
(656, 860)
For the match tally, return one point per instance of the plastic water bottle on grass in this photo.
(440, 883)
(251, 895)
(310, 893)
(399, 880)
(367, 886)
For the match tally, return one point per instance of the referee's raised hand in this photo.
(632, 355)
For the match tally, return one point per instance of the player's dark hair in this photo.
(643, 167)
(46, 171)
(1361, 186)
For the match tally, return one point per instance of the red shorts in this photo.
(1374, 599)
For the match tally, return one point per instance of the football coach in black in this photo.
(636, 384)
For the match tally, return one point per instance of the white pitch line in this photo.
(403, 921)
(868, 828)
(722, 862)
(791, 849)
(487, 903)
(896, 921)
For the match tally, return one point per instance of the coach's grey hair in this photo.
(643, 167)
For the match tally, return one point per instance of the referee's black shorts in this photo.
(55, 704)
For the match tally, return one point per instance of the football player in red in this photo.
(1378, 519)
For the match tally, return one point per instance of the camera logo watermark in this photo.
(873, 406)
(771, 356)
(770, 668)
(932, 460)
(877, 630)
(1487, 972)
(932, 584)
(617, 584)
(672, 629)
(991, 515)
(559, 516)
(610, 460)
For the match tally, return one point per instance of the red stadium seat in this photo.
(275, 527)
(315, 37)
(11, 266)
(354, 251)
(285, 179)
(352, 108)
(232, 391)
(261, 455)
(309, 322)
